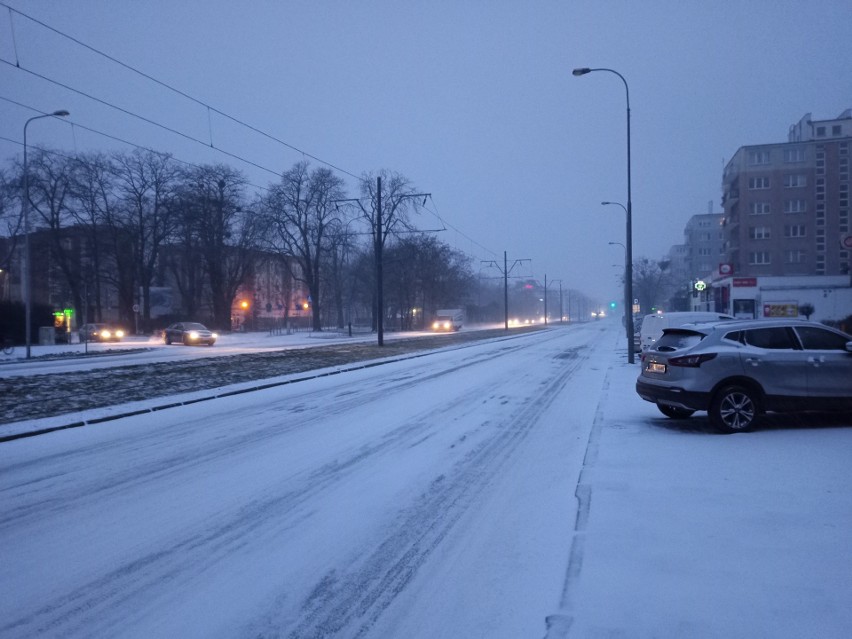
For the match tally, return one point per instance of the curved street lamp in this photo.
(26, 214)
(628, 268)
(628, 294)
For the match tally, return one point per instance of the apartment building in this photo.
(786, 224)
(786, 205)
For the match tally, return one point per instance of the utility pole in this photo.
(561, 310)
(545, 298)
(505, 272)
(379, 231)
(380, 298)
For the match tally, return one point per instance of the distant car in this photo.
(100, 333)
(737, 370)
(189, 333)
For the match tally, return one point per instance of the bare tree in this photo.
(338, 276)
(93, 190)
(390, 197)
(426, 273)
(301, 211)
(50, 202)
(226, 233)
(10, 218)
(650, 282)
(146, 183)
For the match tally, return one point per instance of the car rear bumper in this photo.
(672, 396)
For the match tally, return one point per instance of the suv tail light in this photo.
(691, 361)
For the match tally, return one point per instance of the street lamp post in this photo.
(629, 210)
(546, 285)
(25, 272)
(627, 308)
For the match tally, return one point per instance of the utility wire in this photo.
(142, 118)
(174, 131)
(133, 144)
(464, 235)
(178, 91)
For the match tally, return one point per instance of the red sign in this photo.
(745, 281)
(726, 269)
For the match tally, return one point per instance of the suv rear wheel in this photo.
(734, 409)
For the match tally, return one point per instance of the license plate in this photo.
(654, 367)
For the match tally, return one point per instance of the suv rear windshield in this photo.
(675, 340)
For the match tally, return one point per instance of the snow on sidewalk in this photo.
(692, 534)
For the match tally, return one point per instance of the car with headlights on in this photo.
(100, 333)
(189, 333)
(738, 370)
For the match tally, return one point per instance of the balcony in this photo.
(731, 195)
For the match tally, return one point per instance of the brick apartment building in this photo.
(786, 205)
(786, 225)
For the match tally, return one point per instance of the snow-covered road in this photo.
(422, 498)
(512, 488)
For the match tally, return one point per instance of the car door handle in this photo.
(816, 360)
(754, 361)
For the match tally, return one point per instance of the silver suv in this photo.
(738, 370)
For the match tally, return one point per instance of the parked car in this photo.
(189, 333)
(100, 333)
(737, 370)
(652, 325)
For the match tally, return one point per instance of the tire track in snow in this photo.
(133, 584)
(233, 442)
(348, 604)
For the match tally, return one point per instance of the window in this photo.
(795, 230)
(758, 157)
(794, 155)
(796, 256)
(795, 180)
(758, 183)
(759, 208)
(819, 339)
(758, 257)
(776, 338)
(758, 232)
(820, 131)
(836, 130)
(795, 206)
(704, 251)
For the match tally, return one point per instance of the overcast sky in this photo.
(473, 101)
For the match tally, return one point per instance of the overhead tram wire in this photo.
(463, 234)
(196, 101)
(144, 119)
(173, 89)
(194, 165)
(122, 141)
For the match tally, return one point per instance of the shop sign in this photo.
(745, 281)
(781, 309)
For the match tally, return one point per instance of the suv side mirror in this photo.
(849, 347)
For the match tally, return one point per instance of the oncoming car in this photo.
(737, 370)
(100, 333)
(189, 333)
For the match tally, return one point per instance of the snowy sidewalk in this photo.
(690, 534)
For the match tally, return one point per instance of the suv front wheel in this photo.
(734, 409)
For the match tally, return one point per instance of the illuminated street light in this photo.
(26, 211)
